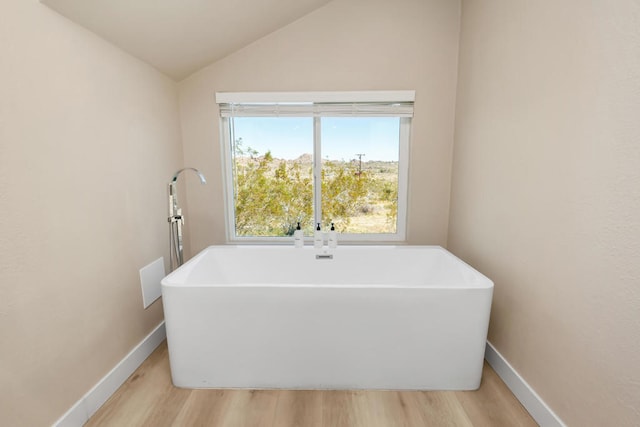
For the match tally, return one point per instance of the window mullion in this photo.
(317, 172)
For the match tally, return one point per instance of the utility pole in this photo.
(360, 155)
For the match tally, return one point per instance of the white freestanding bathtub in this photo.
(354, 317)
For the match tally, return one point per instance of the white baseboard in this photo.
(101, 392)
(539, 410)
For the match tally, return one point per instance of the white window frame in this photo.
(314, 97)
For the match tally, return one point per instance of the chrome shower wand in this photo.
(176, 220)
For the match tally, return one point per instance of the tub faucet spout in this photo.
(176, 220)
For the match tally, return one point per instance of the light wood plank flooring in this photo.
(148, 398)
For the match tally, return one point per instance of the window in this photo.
(320, 157)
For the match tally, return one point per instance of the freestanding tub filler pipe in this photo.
(176, 220)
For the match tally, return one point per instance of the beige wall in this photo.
(346, 45)
(546, 194)
(89, 137)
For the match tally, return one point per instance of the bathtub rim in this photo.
(178, 277)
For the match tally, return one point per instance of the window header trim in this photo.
(316, 104)
(396, 109)
(316, 97)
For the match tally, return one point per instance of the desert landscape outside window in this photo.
(299, 163)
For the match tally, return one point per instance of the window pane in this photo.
(360, 173)
(272, 174)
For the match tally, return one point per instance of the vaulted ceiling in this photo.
(178, 37)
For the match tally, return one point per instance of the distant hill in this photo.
(306, 159)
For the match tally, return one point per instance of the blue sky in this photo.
(342, 137)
